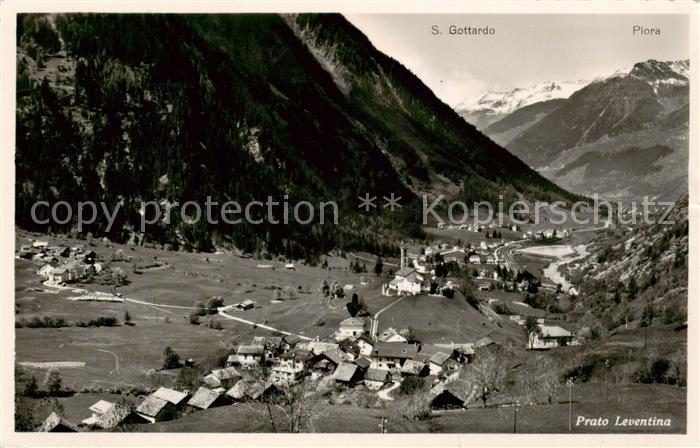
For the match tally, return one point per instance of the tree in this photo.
(31, 388)
(127, 316)
(54, 383)
(214, 303)
(532, 329)
(632, 289)
(172, 359)
(378, 267)
(487, 373)
(293, 404)
(411, 385)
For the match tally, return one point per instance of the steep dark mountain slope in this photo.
(131, 108)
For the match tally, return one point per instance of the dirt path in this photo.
(384, 393)
(222, 312)
(375, 320)
(386, 263)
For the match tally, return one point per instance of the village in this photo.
(355, 356)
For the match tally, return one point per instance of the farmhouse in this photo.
(54, 423)
(375, 379)
(440, 362)
(474, 259)
(250, 390)
(173, 396)
(414, 368)
(290, 367)
(390, 355)
(365, 345)
(446, 399)
(347, 373)
(114, 415)
(59, 275)
(247, 355)
(390, 335)
(246, 305)
(317, 347)
(206, 398)
(221, 377)
(549, 337)
(455, 254)
(327, 362)
(351, 328)
(156, 409)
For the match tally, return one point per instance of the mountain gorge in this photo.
(623, 137)
(131, 108)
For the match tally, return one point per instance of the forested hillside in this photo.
(132, 108)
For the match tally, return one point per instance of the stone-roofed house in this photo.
(156, 409)
(375, 379)
(347, 373)
(391, 355)
(351, 328)
(414, 368)
(206, 398)
(55, 423)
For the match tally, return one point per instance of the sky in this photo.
(524, 50)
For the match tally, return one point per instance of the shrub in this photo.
(214, 303)
(54, 383)
(411, 384)
(501, 308)
(172, 359)
(194, 319)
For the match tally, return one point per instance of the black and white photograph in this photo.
(350, 222)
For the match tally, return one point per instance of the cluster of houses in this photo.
(474, 227)
(356, 360)
(416, 272)
(61, 264)
(546, 234)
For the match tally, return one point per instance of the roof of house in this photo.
(203, 398)
(404, 272)
(335, 356)
(269, 341)
(317, 347)
(362, 362)
(395, 350)
(113, 417)
(442, 389)
(171, 395)
(298, 354)
(250, 350)
(251, 389)
(439, 358)
(291, 339)
(345, 371)
(151, 406)
(101, 406)
(354, 322)
(554, 331)
(388, 333)
(239, 390)
(226, 373)
(54, 420)
(412, 367)
(377, 375)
